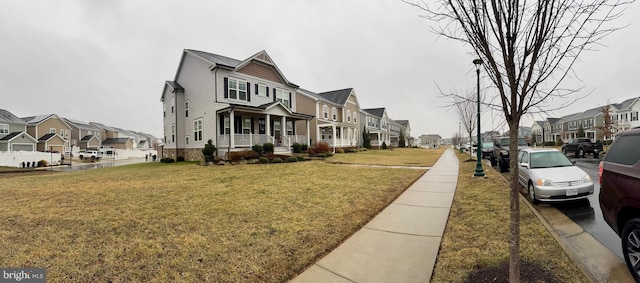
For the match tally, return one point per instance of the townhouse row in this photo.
(623, 115)
(240, 103)
(52, 133)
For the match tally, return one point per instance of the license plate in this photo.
(572, 191)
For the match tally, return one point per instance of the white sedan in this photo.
(549, 176)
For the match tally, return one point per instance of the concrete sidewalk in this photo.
(401, 243)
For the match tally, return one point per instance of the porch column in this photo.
(283, 126)
(268, 125)
(342, 136)
(318, 137)
(308, 134)
(333, 138)
(232, 120)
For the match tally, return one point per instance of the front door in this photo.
(277, 132)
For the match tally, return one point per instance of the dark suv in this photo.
(620, 194)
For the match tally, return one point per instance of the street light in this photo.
(460, 136)
(479, 172)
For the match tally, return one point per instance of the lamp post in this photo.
(460, 136)
(479, 172)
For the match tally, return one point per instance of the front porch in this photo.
(336, 135)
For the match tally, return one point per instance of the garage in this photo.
(22, 147)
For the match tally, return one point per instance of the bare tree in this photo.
(608, 125)
(527, 49)
(465, 108)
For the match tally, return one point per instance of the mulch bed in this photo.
(529, 272)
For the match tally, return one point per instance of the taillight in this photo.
(600, 169)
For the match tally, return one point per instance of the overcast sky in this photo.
(106, 61)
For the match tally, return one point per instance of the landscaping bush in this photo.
(305, 147)
(312, 152)
(180, 159)
(236, 156)
(167, 160)
(559, 142)
(549, 143)
(322, 147)
(43, 163)
(276, 160)
(257, 148)
(384, 145)
(297, 147)
(292, 159)
(209, 151)
(268, 147)
(339, 150)
(352, 149)
(328, 154)
(301, 158)
(263, 160)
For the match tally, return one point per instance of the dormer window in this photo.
(334, 113)
(348, 115)
(325, 112)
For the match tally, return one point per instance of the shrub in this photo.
(180, 159)
(301, 158)
(339, 150)
(43, 163)
(263, 160)
(257, 148)
(322, 147)
(297, 148)
(549, 143)
(236, 156)
(559, 142)
(384, 145)
(328, 154)
(209, 151)
(167, 160)
(292, 159)
(268, 147)
(276, 160)
(305, 147)
(312, 152)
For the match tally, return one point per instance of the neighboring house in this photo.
(106, 132)
(234, 103)
(147, 141)
(119, 143)
(525, 132)
(376, 121)
(51, 131)
(406, 128)
(84, 136)
(625, 114)
(431, 141)
(590, 121)
(489, 136)
(335, 116)
(537, 132)
(13, 135)
(552, 129)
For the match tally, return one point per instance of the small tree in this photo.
(209, 151)
(608, 124)
(366, 139)
(401, 142)
(580, 132)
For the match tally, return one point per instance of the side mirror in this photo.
(525, 165)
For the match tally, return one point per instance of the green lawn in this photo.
(184, 222)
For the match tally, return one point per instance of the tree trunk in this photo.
(514, 197)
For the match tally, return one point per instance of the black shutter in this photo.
(289, 100)
(272, 132)
(221, 124)
(267, 91)
(257, 90)
(226, 87)
(253, 125)
(238, 125)
(248, 91)
(274, 95)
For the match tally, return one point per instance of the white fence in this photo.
(17, 158)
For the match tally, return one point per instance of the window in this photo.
(164, 109)
(634, 116)
(52, 131)
(66, 134)
(262, 90)
(173, 133)
(186, 109)
(289, 128)
(4, 128)
(283, 95)
(348, 115)
(227, 127)
(334, 113)
(355, 118)
(325, 112)
(246, 125)
(186, 140)
(237, 89)
(197, 130)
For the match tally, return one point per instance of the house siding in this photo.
(307, 105)
(261, 71)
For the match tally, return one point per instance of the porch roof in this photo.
(264, 109)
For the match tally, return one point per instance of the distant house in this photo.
(234, 103)
(51, 131)
(13, 135)
(335, 116)
(377, 125)
(119, 143)
(431, 141)
(84, 135)
(406, 128)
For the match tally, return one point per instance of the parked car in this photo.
(487, 150)
(582, 146)
(90, 154)
(549, 176)
(501, 152)
(620, 194)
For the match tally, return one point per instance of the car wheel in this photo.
(81, 157)
(581, 153)
(631, 247)
(532, 194)
(596, 154)
(564, 151)
(493, 160)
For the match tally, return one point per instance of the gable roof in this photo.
(403, 123)
(102, 127)
(338, 96)
(115, 141)
(378, 112)
(47, 137)
(15, 134)
(8, 117)
(35, 120)
(80, 124)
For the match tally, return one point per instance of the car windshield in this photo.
(549, 159)
(487, 145)
(505, 142)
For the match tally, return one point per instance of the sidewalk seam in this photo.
(400, 233)
(336, 274)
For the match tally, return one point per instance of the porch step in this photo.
(281, 149)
